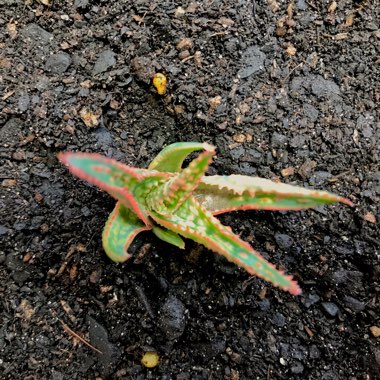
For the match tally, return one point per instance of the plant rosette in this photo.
(176, 203)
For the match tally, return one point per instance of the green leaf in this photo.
(220, 194)
(121, 228)
(183, 201)
(171, 158)
(193, 222)
(168, 236)
(169, 196)
(127, 184)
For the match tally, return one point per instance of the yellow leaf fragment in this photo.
(160, 82)
(150, 359)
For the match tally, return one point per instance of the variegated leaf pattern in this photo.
(174, 202)
(193, 222)
(121, 228)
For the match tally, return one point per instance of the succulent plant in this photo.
(176, 203)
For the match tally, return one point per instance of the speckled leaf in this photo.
(168, 197)
(127, 184)
(171, 158)
(193, 222)
(220, 194)
(183, 201)
(121, 228)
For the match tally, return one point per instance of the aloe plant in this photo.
(176, 203)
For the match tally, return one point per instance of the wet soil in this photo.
(285, 90)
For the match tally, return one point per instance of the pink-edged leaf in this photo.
(121, 228)
(220, 194)
(120, 181)
(192, 221)
(170, 196)
(171, 158)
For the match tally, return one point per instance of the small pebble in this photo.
(330, 308)
(284, 241)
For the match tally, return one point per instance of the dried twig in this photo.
(75, 335)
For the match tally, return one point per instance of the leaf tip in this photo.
(63, 157)
(346, 201)
(294, 288)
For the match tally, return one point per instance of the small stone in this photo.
(81, 3)
(283, 241)
(310, 112)
(8, 182)
(143, 68)
(311, 299)
(58, 63)
(297, 368)
(184, 54)
(349, 279)
(319, 178)
(301, 5)
(19, 155)
(110, 354)
(104, 62)
(3, 230)
(172, 319)
(264, 305)
(103, 137)
(324, 88)
(278, 140)
(314, 352)
(354, 304)
(291, 50)
(330, 308)
(90, 118)
(36, 35)
(279, 320)
(239, 138)
(252, 62)
(23, 102)
(306, 168)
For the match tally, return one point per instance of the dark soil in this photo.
(285, 90)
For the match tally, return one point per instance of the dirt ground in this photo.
(285, 90)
